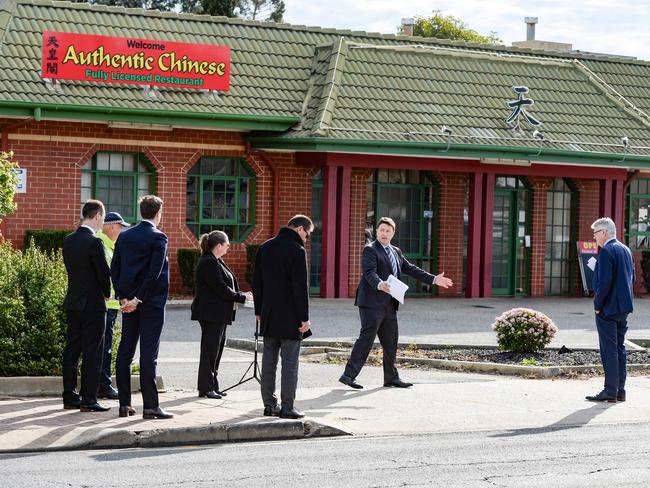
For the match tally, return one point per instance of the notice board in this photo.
(586, 251)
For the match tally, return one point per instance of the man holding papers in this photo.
(381, 265)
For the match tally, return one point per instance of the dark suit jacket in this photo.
(140, 267)
(613, 278)
(215, 292)
(88, 274)
(280, 285)
(376, 267)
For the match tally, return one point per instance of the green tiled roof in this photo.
(319, 88)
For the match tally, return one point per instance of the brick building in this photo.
(345, 126)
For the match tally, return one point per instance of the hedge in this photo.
(32, 319)
(251, 252)
(187, 260)
(48, 241)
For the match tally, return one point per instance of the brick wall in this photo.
(54, 152)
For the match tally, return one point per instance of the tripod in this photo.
(254, 365)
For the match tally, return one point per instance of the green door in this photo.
(510, 237)
(408, 197)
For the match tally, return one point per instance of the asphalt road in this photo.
(593, 456)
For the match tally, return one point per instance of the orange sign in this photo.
(93, 58)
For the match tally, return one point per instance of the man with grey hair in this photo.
(613, 301)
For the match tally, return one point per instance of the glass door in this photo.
(510, 237)
(408, 197)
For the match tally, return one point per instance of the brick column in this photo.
(357, 235)
(450, 230)
(540, 186)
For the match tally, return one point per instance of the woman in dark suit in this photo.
(217, 291)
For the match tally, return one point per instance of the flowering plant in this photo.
(523, 330)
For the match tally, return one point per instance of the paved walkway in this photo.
(440, 401)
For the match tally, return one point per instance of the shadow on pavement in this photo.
(574, 420)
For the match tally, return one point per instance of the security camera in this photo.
(625, 141)
(445, 130)
(538, 135)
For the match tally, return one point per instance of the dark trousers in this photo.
(213, 340)
(105, 381)
(85, 339)
(289, 349)
(375, 322)
(611, 336)
(144, 324)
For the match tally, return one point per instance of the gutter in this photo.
(477, 151)
(75, 112)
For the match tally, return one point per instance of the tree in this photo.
(249, 9)
(7, 183)
(449, 27)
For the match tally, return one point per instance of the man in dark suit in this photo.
(140, 273)
(89, 287)
(281, 295)
(613, 301)
(377, 308)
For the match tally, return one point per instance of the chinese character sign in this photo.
(519, 109)
(86, 57)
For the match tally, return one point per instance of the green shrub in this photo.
(523, 330)
(32, 319)
(48, 241)
(187, 260)
(251, 252)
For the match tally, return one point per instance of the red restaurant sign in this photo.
(86, 57)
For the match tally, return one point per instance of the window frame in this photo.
(242, 229)
(135, 175)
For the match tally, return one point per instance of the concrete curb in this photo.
(33, 386)
(199, 435)
(537, 372)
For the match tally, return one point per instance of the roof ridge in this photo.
(333, 78)
(610, 92)
(7, 10)
(452, 44)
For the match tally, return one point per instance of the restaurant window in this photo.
(118, 180)
(220, 196)
(637, 228)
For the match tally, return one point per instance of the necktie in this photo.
(393, 262)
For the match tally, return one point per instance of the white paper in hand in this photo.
(591, 263)
(397, 288)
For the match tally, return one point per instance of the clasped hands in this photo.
(128, 306)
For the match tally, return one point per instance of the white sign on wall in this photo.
(21, 183)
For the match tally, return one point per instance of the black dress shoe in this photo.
(72, 406)
(222, 393)
(109, 394)
(156, 413)
(398, 383)
(126, 411)
(620, 396)
(291, 414)
(271, 411)
(346, 380)
(601, 397)
(93, 407)
(210, 394)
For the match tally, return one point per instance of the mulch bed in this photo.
(549, 357)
